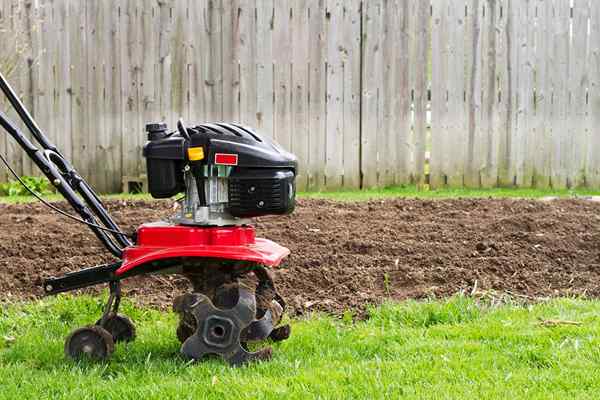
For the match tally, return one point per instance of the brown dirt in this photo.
(348, 255)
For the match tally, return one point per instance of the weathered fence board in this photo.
(317, 83)
(472, 93)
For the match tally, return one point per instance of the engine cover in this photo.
(228, 172)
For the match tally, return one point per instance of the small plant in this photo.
(387, 284)
(38, 184)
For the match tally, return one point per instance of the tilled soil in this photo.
(346, 256)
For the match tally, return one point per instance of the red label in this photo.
(226, 159)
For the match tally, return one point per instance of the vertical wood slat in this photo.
(199, 64)
(593, 156)
(457, 123)
(525, 108)
(141, 45)
(179, 74)
(351, 59)
(25, 23)
(385, 131)
(10, 63)
(112, 148)
(473, 92)
(543, 95)
(214, 81)
(560, 74)
(247, 60)
(489, 175)
(421, 30)
(282, 76)
(5, 66)
(230, 66)
(401, 118)
(77, 37)
(264, 67)
(165, 59)
(43, 77)
(299, 88)
(334, 95)
(317, 83)
(439, 92)
(578, 84)
(370, 93)
(97, 45)
(502, 114)
(141, 84)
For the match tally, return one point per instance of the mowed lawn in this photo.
(459, 348)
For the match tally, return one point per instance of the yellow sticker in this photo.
(196, 153)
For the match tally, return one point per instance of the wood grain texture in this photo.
(344, 84)
(593, 119)
(317, 86)
(439, 94)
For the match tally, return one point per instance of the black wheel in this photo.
(119, 326)
(93, 342)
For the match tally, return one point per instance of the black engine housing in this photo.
(260, 182)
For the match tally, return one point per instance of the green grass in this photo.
(436, 349)
(390, 192)
(414, 192)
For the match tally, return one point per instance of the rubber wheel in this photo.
(120, 327)
(92, 342)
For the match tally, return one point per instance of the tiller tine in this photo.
(260, 329)
(219, 331)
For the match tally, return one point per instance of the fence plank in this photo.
(578, 84)
(501, 109)
(247, 43)
(420, 28)
(335, 95)
(96, 92)
(165, 60)
(230, 67)
(25, 23)
(77, 37)
(439, 93)
(473, 93)
(179, 76)
(385, 131)
(12, 63)
(5, 68)
(317, 106)
(351, 59)
(300, 88)
(141, 99)
(213, 84)
(456, 124)
(401, 118)
(264, 67)
(524, 109)
(543, 95)
(110, 148)
(593, 156)
(143, 56)
(560, 72)
(489, 175)
(199, 68)
(282, 73)
(370, 93)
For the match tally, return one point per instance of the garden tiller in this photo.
(228, 174)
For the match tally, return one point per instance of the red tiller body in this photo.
(163, 241)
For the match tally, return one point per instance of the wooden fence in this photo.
(365, 92)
